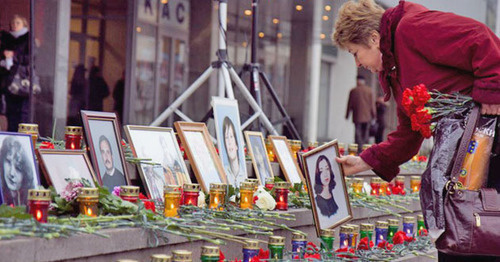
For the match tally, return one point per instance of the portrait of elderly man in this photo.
(111, 176)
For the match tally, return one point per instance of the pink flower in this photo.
(116, 191)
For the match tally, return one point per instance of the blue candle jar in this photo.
(345, 236)
(408, 225)
(381, 228)
(299, 243)
(250, 250)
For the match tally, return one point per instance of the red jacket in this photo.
(444, 51)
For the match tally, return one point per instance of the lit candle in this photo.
(30, 129)
(210, 253)
(276, 247)
(129, 193)
(88, 198)
(281, 192)
(327, 236)
(341, 149)
(250, 250)
(299, 243)
(296, 145)
(408, 225)
(357, 185)
(415, 184)
(352, 149)
(73, 137)
(366, 231)
(270, 152)
(191, 194)
(380, 232)
(383, 188)
(254, 181)
(355, 234)
(399, 184)
(393, 228)
(270, 183)
(182, 256)
(420, 224)
(38, 204)
(217, 196)
(161, 258)
(375, 185)
(247, 190)
(172, 195)
(312, 145)
(345, 235)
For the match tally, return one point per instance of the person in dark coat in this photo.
(118, 95)
(98, 89)
(79, 94)
(14, 51)
(362, 105)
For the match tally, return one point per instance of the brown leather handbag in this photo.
(472, 217)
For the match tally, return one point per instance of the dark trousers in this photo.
(17, 111)
(442, 257)
(361, 134)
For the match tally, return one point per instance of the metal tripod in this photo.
(256, 74)
(226, 73)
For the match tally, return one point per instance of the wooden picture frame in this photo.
(201, 153)
(17, 153)
(330, 208)
(102, 129)
(288, 163)
(258, 153)
(60, 165)
(167, 166)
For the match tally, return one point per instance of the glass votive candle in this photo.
(341, 149)
(380, 232)
(161, 258)
(420, 224)
(281, 197)
(38, 204)
(400, 183)
(217, 196)
(296, 146)
(345, 236)
(415, 183)
(366, 231)
(408, 225)
(352, 150)
(312, 145)
(375, 185)
(172, 196)
(129, 193)
(30, 129)
(210, 253)
(355, 234)
(276, 247)
(365, 146)
(270, 152)
(393, 228)
(254, 181)
(327, 236)
(384, 185)
(73, 137)
(247, 190)
(191, 193)
(270, 183)
(88, 197)
(299, 243)
(250, 250)
(182, 256)
(357, 185)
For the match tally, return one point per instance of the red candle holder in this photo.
(375, 185)
(341, 149)
(191, 194)
(129, 193)
(282, 189)
(73, 137)
(38, 204)
(399, 185)
(270, 183)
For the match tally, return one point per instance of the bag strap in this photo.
(464, 143)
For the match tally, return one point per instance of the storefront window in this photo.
(145, 75)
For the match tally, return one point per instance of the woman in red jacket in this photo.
(409, 45)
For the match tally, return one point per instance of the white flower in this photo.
(201, 200)
(265, 201)
(232, 199)
(259, 190)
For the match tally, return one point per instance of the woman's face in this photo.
(16, 24)
(325, 174)
(12, 173)
(231, 147)
(369, 56)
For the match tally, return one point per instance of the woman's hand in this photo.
(353, 164)
(488, 109)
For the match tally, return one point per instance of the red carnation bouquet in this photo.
(425, 107)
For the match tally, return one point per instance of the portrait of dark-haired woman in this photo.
(16, 172)
(234, 169)
(324, 183)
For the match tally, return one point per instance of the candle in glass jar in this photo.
(88, 198)
(365, 146)
(393, 228)
(345, 236)
(30, 129)
(408, 225)
(327, 236)
(384, 185)
(352, 150)
(270, 183)
(254, 181)
(341, 149)
(415, 184)
(210, 253)
(312, 145)
(355, 234)
(129, 193)
(366, 231)
(247, 190)
(296, 145)
(357, 185)
(380, 232)
(420, 224)
(73, 137)
(299, 243)
(276, 247)
(281, 197)
(399, 185)
(38, 204)
(182, 256)
(172, 196)
(217, 196)
(375, 185)
(270, 152)
(161, 258)
(250, 250)
(191, 193)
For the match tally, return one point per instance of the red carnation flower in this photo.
(399, 238)
(363, 244)
(47, 145)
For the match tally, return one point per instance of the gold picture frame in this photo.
(257, 151)
(288, 163)
(335, 208)
(199, 148)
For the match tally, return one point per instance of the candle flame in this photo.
(172, 206)
(72, 145)
(281, 199)
(89, 212)
(216, 200)
(38, 215)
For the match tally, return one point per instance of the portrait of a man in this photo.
(112, 176)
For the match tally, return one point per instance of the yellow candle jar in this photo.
(270, 152)
(246, 195)
(172, 194)
(415, 183)
(88, 198)
(357, 185)
(217, 196)
(30, 129)
(161, 258)
(352, 150)
(254, 181)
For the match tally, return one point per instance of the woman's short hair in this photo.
(22, 18)
(356, 21)
(318, 185)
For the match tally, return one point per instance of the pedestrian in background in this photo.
(98, 89)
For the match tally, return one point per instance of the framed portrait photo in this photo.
(258, 154)
(230, 139)
(201, 153)
(103, 138)
(18, 168)
(167, 165)
(287, 162)
(62, 166)
(327, 188)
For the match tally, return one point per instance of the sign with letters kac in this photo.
(173, 14)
